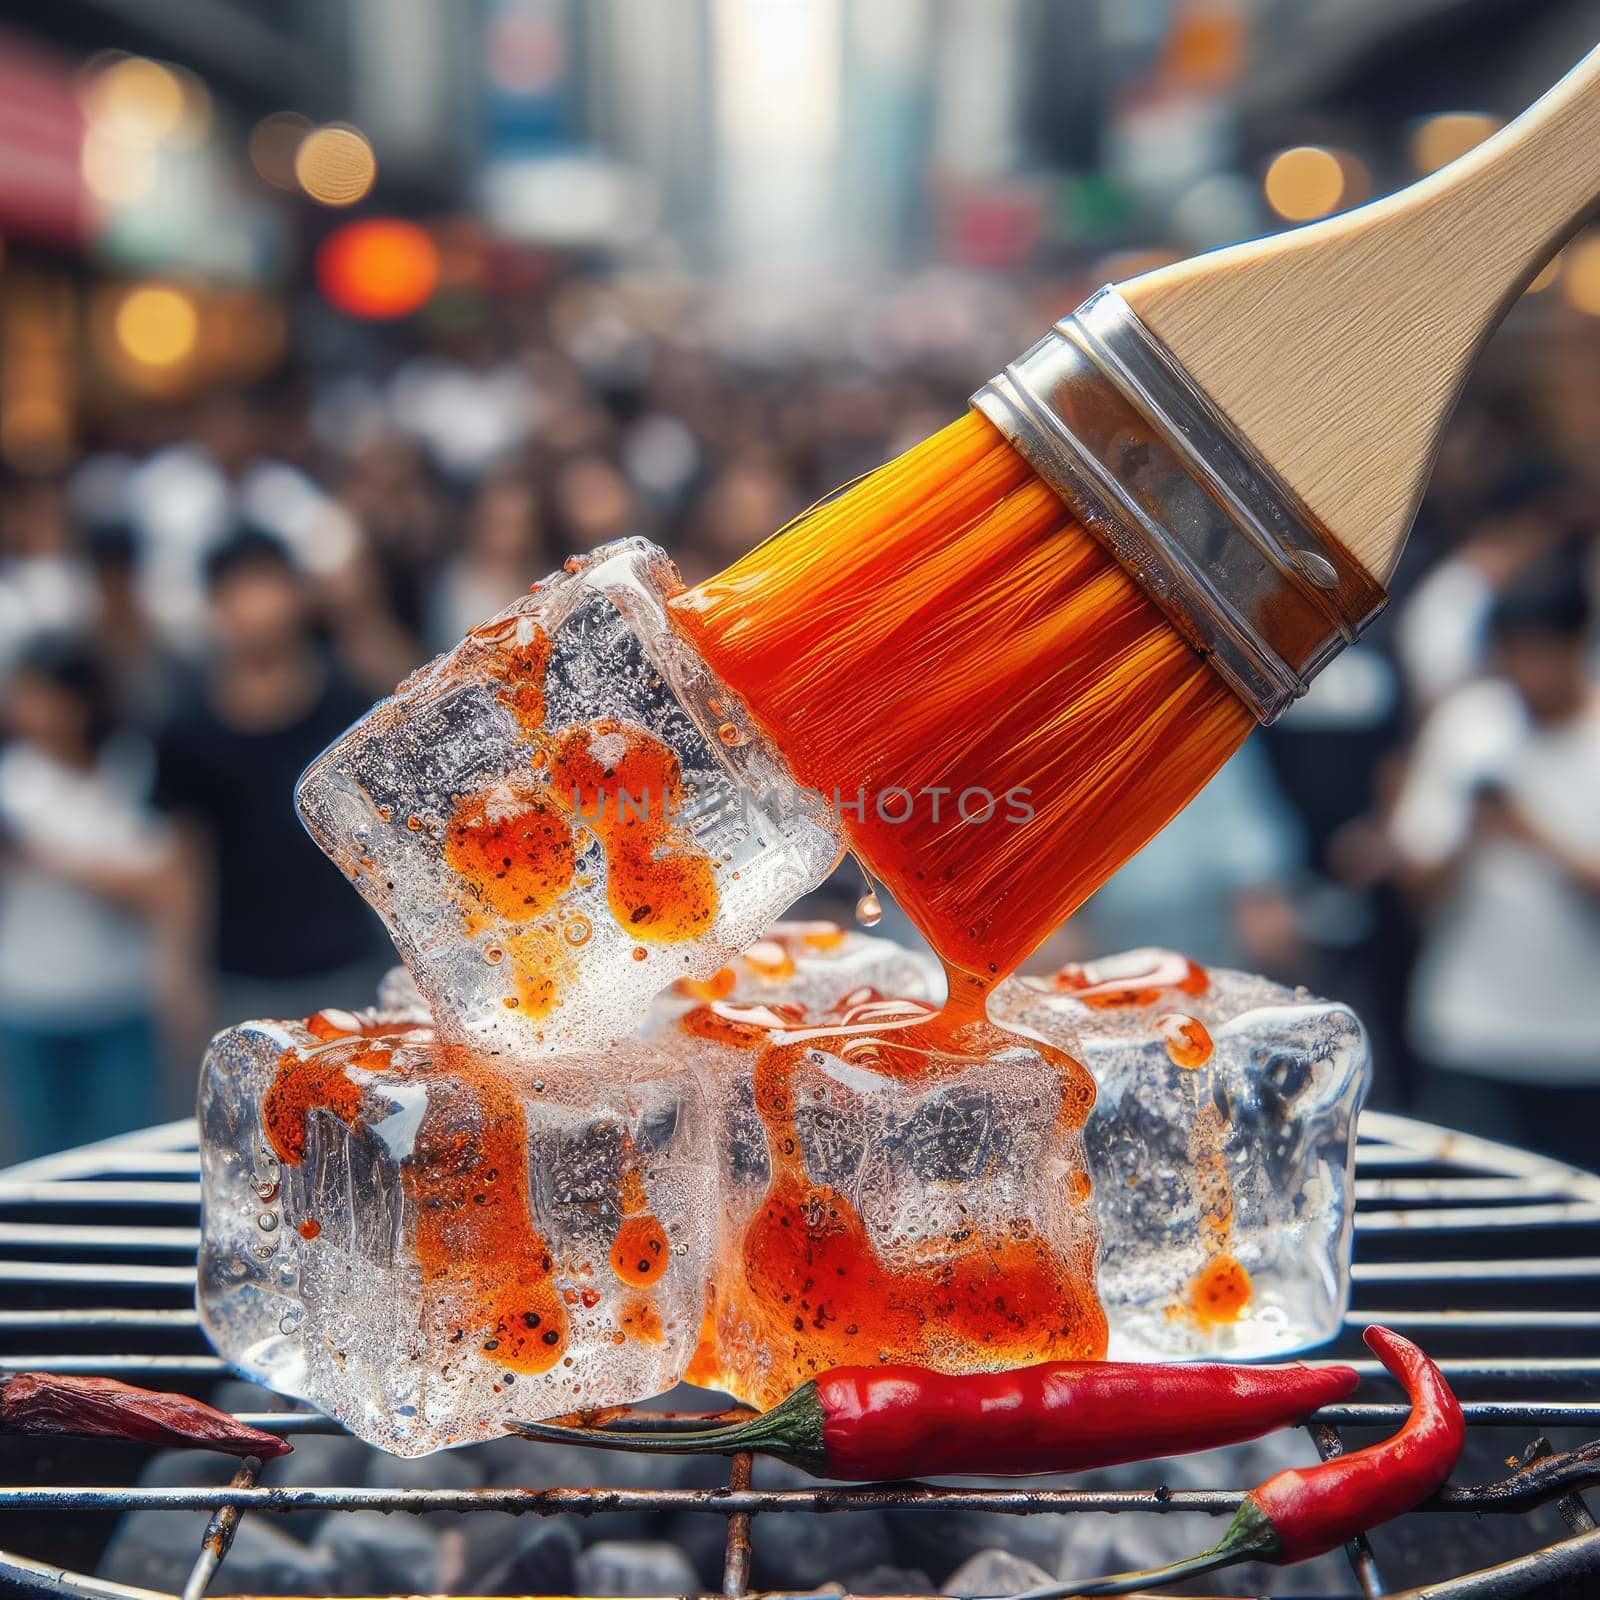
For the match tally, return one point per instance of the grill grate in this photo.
(1488, 1254)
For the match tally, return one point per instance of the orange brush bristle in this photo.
(946, 627)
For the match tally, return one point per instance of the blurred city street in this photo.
(328, 326)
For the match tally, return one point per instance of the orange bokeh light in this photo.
(378, 268)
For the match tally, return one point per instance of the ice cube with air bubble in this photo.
(891, 1189)
(1221, 1149)
(425, 1242)
(566, 813)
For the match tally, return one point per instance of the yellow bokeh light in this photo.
(1304, 183)
(1580, 274)
(157, 326)
(135, 98)
(1441, 139)
(335, 166)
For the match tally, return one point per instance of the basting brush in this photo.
(1011, 656)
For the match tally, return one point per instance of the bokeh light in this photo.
(157, 325)
(197, 118)
(115, 171)
(1440, 140)
(1304, 183)
(1580, 274)
(378, 269)
(135, 99)
(274, 142)
(335, 165)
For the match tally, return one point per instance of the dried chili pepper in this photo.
(1307, 1511)
(49, 1403)
(869, 1423)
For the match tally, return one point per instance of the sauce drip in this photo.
(1188, 1043)
(640, 1253)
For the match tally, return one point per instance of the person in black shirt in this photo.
(288, 934)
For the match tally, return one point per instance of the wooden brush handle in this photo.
(1339, 349)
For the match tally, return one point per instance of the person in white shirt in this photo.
(1497, 826)
(86, 878)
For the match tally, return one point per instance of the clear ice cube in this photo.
(567, 812)
(424, 1243)
(890, 1190)
(1221, 1149)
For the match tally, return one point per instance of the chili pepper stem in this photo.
(791, 1431)
(1249, 1536)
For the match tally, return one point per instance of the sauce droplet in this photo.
(729, 734)
(1187, 1041)
(869, 909)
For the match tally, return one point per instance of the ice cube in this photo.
(891, 1189)
(813, 965)
(1221, 1148)
(567, 812)
(424, 1242)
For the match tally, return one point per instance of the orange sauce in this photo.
(1142, 986)
(1188, 1043)
(513, 846)
(486, 1268)
(303, 1084)
(1220, 1293)
(947, 625)
(639, 1253)
(626, 786)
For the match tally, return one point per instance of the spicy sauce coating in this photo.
(627, 787)
(513, 846)
(486, 1268)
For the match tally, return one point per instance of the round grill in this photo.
(1489, 1256)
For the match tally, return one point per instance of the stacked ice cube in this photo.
(1221, 1149)
(487, 1200)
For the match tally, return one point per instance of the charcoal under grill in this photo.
(1489, 1256)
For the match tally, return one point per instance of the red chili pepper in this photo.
(49, 1403)
(1307, 1511)
(873, 1423)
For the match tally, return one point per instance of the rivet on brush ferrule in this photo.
(1106, 415)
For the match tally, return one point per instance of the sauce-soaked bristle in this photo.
(947, 625)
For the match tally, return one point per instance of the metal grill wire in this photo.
(1487, 1254)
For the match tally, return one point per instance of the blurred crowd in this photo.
(213, 591)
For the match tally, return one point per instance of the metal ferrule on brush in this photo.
(1104, 413)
